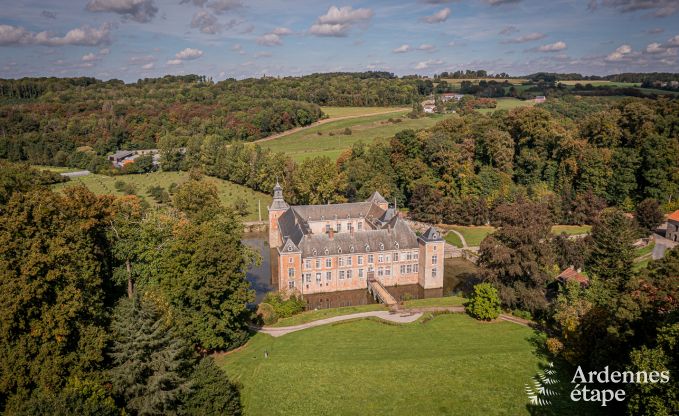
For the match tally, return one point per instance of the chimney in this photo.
(331, 234)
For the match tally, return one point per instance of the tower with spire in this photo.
(276, 209)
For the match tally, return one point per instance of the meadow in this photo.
(333, 112)
(507, 103)
(330, 140)
(228, 191)
(449, 364)
(475, 234)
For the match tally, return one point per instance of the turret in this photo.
(277, 208)
(432, 251)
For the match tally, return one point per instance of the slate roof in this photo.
(369, 241)
(377, 198)
(333, 211)
(431, 235)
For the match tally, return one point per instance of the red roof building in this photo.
(572, 274)
(672, 232)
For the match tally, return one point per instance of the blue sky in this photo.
(131, 39)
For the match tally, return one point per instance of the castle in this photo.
(336, 247)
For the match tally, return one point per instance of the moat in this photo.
(262, 280)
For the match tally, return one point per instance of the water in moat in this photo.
(262, 280)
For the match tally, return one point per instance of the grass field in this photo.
(507, 104)
(453, 239)
(458, 81)
(472, 234)
(571, 229)
(56, 169)
(309, 143)
(599, 83)
(432, 302)
(228, 192)
(309, 316)
(359, 111)
(450, 364)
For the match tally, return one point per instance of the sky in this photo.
(132, 39)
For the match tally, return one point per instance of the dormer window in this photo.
(326, 251)
(314, 252)
(367, 247)
(396, 245)
(339, 250)
(351, 249)
(381, 246)
(289, 248)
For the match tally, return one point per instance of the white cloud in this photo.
(206, 22)
(673, 41)
(338, 21)
(654, 47)
(188, 54)
(175, 62)
(273, 38)
(269, 39)
(552, 47)
(89, 57)
(526, 38)
(83, 36)
(659, 8)
(428, 64)
(141, 11)
(438, 17)
(148, 66)
(223, 6)
(508, 30)
(402, 49)
(619, 53)
(426, 47)
(104, 51)
(238, 48)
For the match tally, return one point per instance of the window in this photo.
(387, 258)
(349, 273)
(371, 258)
(328, 276)
(339, 227)
(416, 255)
(396, 256)
(291, 284)
(307, 263)
(351, 249)
(318, 278)
(409, 256)
(433, 273)
(403, 269)
(360, 273)
(415, 267)
(341, 274)
(289, 259)
(291, 272)
(327, 228)
(409, 268)
(381, 246)
(387, 271)
(359, 226)
(328, 262)
(434, 259)
(308, 277)
(349, 261)
(326, 251)
(341, 261)
(289, 248)
(380, 271)
(350, 227)
(380, 259)
(318, 263)
(360, 260)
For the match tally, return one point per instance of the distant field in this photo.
(56, 169)
(571, 229)
(513, 81)
(600, 83)
(359, 111)
(228, 192)
(308, 143)
(507, 104)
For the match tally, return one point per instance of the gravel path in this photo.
(403, 316)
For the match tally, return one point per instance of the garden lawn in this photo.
(434, 302)
(450, 364)
(473, 235)
(228, 191)
(309, 316)
(308, 143)
(454, 239)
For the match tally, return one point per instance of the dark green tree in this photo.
(212, 393)
(612, 254)
(648, 215)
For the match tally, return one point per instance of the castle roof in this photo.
(377, 198)
(431, 235)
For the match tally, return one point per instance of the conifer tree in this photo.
(151, 365)
(212, 394)
(612, 254)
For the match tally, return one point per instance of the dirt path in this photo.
(402, 316)
(325, 121)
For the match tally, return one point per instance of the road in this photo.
(76, 174)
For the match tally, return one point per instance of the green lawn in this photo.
(433, 302)
(228, 192)
(359, 111)
(450, 364)
(56, 169)
(571, 229)
(599, 83)
(308, 143)
(473, 235)
(507, 104)
(309, 316)
(453, 239)
(644, 251)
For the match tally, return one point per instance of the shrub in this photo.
(285, 308)
(484, 303)
(267, 313)
(347, 131)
